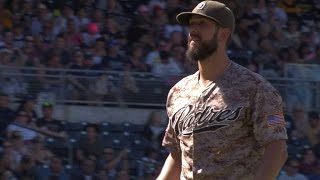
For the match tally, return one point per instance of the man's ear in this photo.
(224, 34)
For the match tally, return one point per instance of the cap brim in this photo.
(184, 17)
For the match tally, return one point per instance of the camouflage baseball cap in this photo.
(214, 10)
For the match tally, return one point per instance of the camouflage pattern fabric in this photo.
(221, 130)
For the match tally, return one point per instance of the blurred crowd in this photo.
(141, 36)
(37, 146)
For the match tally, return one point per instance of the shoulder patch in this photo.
(276, 119)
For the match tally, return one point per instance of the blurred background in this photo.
(83, 83)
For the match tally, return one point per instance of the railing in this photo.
(85, 86)
(124, 88)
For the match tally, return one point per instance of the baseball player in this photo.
(225, 122)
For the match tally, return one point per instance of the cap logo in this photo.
(201, 5)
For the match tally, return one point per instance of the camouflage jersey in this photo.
(221, 130)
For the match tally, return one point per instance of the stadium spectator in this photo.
(87, 171)
(72, 34)
(159, 17)
(178, 56)
(48, 124)
(141, 23)
(99, 51)
(153, 56)
(252, 18)
(136, 61)
(82, 19)
(309, 163)
(290, 7)
(274, 10)
(7, 40)
(148, 164)
(172, 26)
(50, 78)
(293, 55)
(114, 60)
(103, 88)
(290, 124)
(177, 38)
(313, 131)
(291, 171)
(23, 124)
(300, 120)
(40, 154)
(18, 36)
(266, 56)
(5, 170)
(26, 169)
(59, 48)
(28, 105)
(92, 142)
(29, 50)
(47, 35)
(6, 57)
(90, 34)
(128, 82)
(6, 113)
(123, 175)
(292, 32)
(166, 67)
(55, 170)
(111, 29)
(154, 129)
(78, 86)
(17, 150)
(113, 162)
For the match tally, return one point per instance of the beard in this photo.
(204, 50)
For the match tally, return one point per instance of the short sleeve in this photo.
(268, 118)
(170, 139)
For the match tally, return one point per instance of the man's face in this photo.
(203, 38)
(314, 122)
(88, 167)
(108, 153)
(91, 133)
(60, 43)
(56, 165)
(47, 112)
(4, 101)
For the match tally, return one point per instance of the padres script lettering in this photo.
(186, 121)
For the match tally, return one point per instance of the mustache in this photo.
(193, 36)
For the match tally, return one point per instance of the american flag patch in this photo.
(276, 119)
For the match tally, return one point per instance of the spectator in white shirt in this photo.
(23, 125)
(166, 66)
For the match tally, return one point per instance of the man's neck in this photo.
(211, 68)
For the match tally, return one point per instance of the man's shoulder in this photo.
(44, 122)
(191, 78)
(243, 74)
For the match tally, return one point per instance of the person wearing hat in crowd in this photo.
(48, 124)
(225, 121)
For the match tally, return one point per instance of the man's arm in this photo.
(172, 168)
(274, 157)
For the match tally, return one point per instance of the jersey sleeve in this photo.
(268, 118)
(170, 139)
